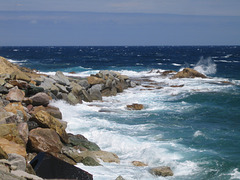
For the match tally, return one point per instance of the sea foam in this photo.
(206, 66)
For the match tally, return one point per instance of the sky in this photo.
(119, 22)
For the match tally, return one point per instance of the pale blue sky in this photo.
(115, 22)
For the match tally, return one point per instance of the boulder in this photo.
(9, 176)
(15, 95)
(80, 141)
(54, 89)
(138, 163)
(18, 161)
(89, 161)
(135, 107)
(25, 175)
(12, 147)
(40, 99)
(61, 79)
(5, 165)
(32, 125)
(61, 88)
(86, 96)
(10, 132)
(95, 92)
(20, 84)
(34, 90)
(63, 157)
(47, 83)
(45, 140)
(161, 171)
(44, 119)
(72, 153)
(188, 73)
(84, 83)
(119, 178)
(3, 154)
(92, 80)
(54, 111)
(3, 90)
(19, 75)
(17, 109)
(73, 100)
(165, 73)
(109, 92)
(2, 81)
(23, 131)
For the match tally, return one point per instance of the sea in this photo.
(191, 125)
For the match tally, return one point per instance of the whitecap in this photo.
(175, 64)
(206, 66)
(235, 174)
(198, 133)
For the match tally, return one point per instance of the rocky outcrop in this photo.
(161, 171)
(188, 73)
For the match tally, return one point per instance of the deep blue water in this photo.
(198, 126)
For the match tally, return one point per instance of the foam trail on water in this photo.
(206, 66)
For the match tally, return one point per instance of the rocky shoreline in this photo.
(29, 125)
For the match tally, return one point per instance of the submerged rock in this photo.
(161, 171)
(135, 107)
(138, 163)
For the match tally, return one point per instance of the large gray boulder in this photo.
(61, 79)
(95, 92)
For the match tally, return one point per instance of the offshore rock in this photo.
(135, 107)
(45, 140)
(138, 163)
(15, 95)
(11, 147)
(161, 171)
(188, 73)
(40, 99)
(44, 119)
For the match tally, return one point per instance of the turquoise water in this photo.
(194, 129)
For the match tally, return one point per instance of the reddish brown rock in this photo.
(45, 140)
(40, 99)
(20, 84)
(46, 120)
(11, 147)
(15, 95)
(135, 107)
(177, 85)
(188, 73)
(162, 171)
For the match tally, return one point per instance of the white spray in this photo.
(206, 66)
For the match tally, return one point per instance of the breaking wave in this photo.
(206, 66)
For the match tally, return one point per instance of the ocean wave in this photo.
(17, 61)
(206, 66)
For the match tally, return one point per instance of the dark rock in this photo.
(161, 171)
(79, 141)
(49, 167)
(165, 73)
(177, 85)
(3, 154)
(89, 161)
(119, 178)
(29, 169)
(20, 84)
(32, 125)
(3, 90)
(86, 96)
(34, 90)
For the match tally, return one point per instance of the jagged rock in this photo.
(8, 86)
(188, 73)
(135, 107)
(61, 88)
(86, 96)
(23, 131)
(29, 169)
(165, 73)
(17, 160)
(72, 153)
(89, 161)
(25, 175)
(20, 84)
(79, 141)
(73, 100)
(3, 154)
(32, 125)
(40, 99)
(138, 163)
(12, 147)
(17, 109)
(45, 140)
(47, 83)
(10, 132)
(54, 111)
(61, 79)
(5, 165)
(92, 80)
(109, 92)
(44, 119)
(3, 90)
(84, 83)
(15, 95)
(9, 176)
(2, 81)
(161, 171)
(95, 92)
(54, 89)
